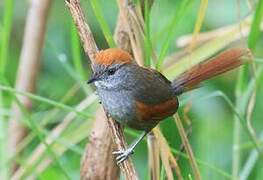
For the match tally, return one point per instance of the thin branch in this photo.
(88, 42)
(91, 49)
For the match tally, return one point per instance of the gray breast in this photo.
(119, 104)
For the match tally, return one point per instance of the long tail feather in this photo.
(223, 62)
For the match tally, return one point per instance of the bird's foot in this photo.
(122, 155)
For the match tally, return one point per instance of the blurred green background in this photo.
(212, 118)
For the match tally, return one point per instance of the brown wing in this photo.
(150, 87)
(157, 112)
(154, 97)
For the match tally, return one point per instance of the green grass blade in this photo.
(188, 148)
(199, 22)
(239, 117)
(4, 171)
(33, 126)
(250, 163)
(170, 29)
(76, 51)
(5, 36)
(147, 37)
(203, 52)
(61, 139)
(45, 100)
(63, 60)
(6, 27)
(240, 106)
(44, 120)
(255, 27)
(76, 77)
(184, 155)
(241, 88)
(74, 137)
(1, 33)
(68, 141)
(103, 24)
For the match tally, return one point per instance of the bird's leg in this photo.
(124, 154)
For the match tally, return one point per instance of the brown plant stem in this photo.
(157, 145)
(133, 19)
(188, 148)
(97, 161)
(154, 158)
(28, 68)
(91, 49)
(88, 42)
(134, 28)
(168, 160)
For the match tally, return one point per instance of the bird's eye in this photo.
(111, 71)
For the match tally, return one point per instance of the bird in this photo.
(141, 97)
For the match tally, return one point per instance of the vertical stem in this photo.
(235, 149)
(3, 143)
(76, 51)
(147, 40)
(240, 106)
(188, 148)
(154, 159)
(237, 126)
(198, 24)
(91, 49)
(98, 161)
(5, 37)
(6, 31)
(241, 85)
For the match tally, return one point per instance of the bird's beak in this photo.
(94, 77)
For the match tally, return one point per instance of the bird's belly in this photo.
(119, 104)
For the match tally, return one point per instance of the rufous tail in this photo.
(219, 64)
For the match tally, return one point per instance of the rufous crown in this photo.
(111, 56)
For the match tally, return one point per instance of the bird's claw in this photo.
(122, 155)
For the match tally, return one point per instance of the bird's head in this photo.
(110, 68)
